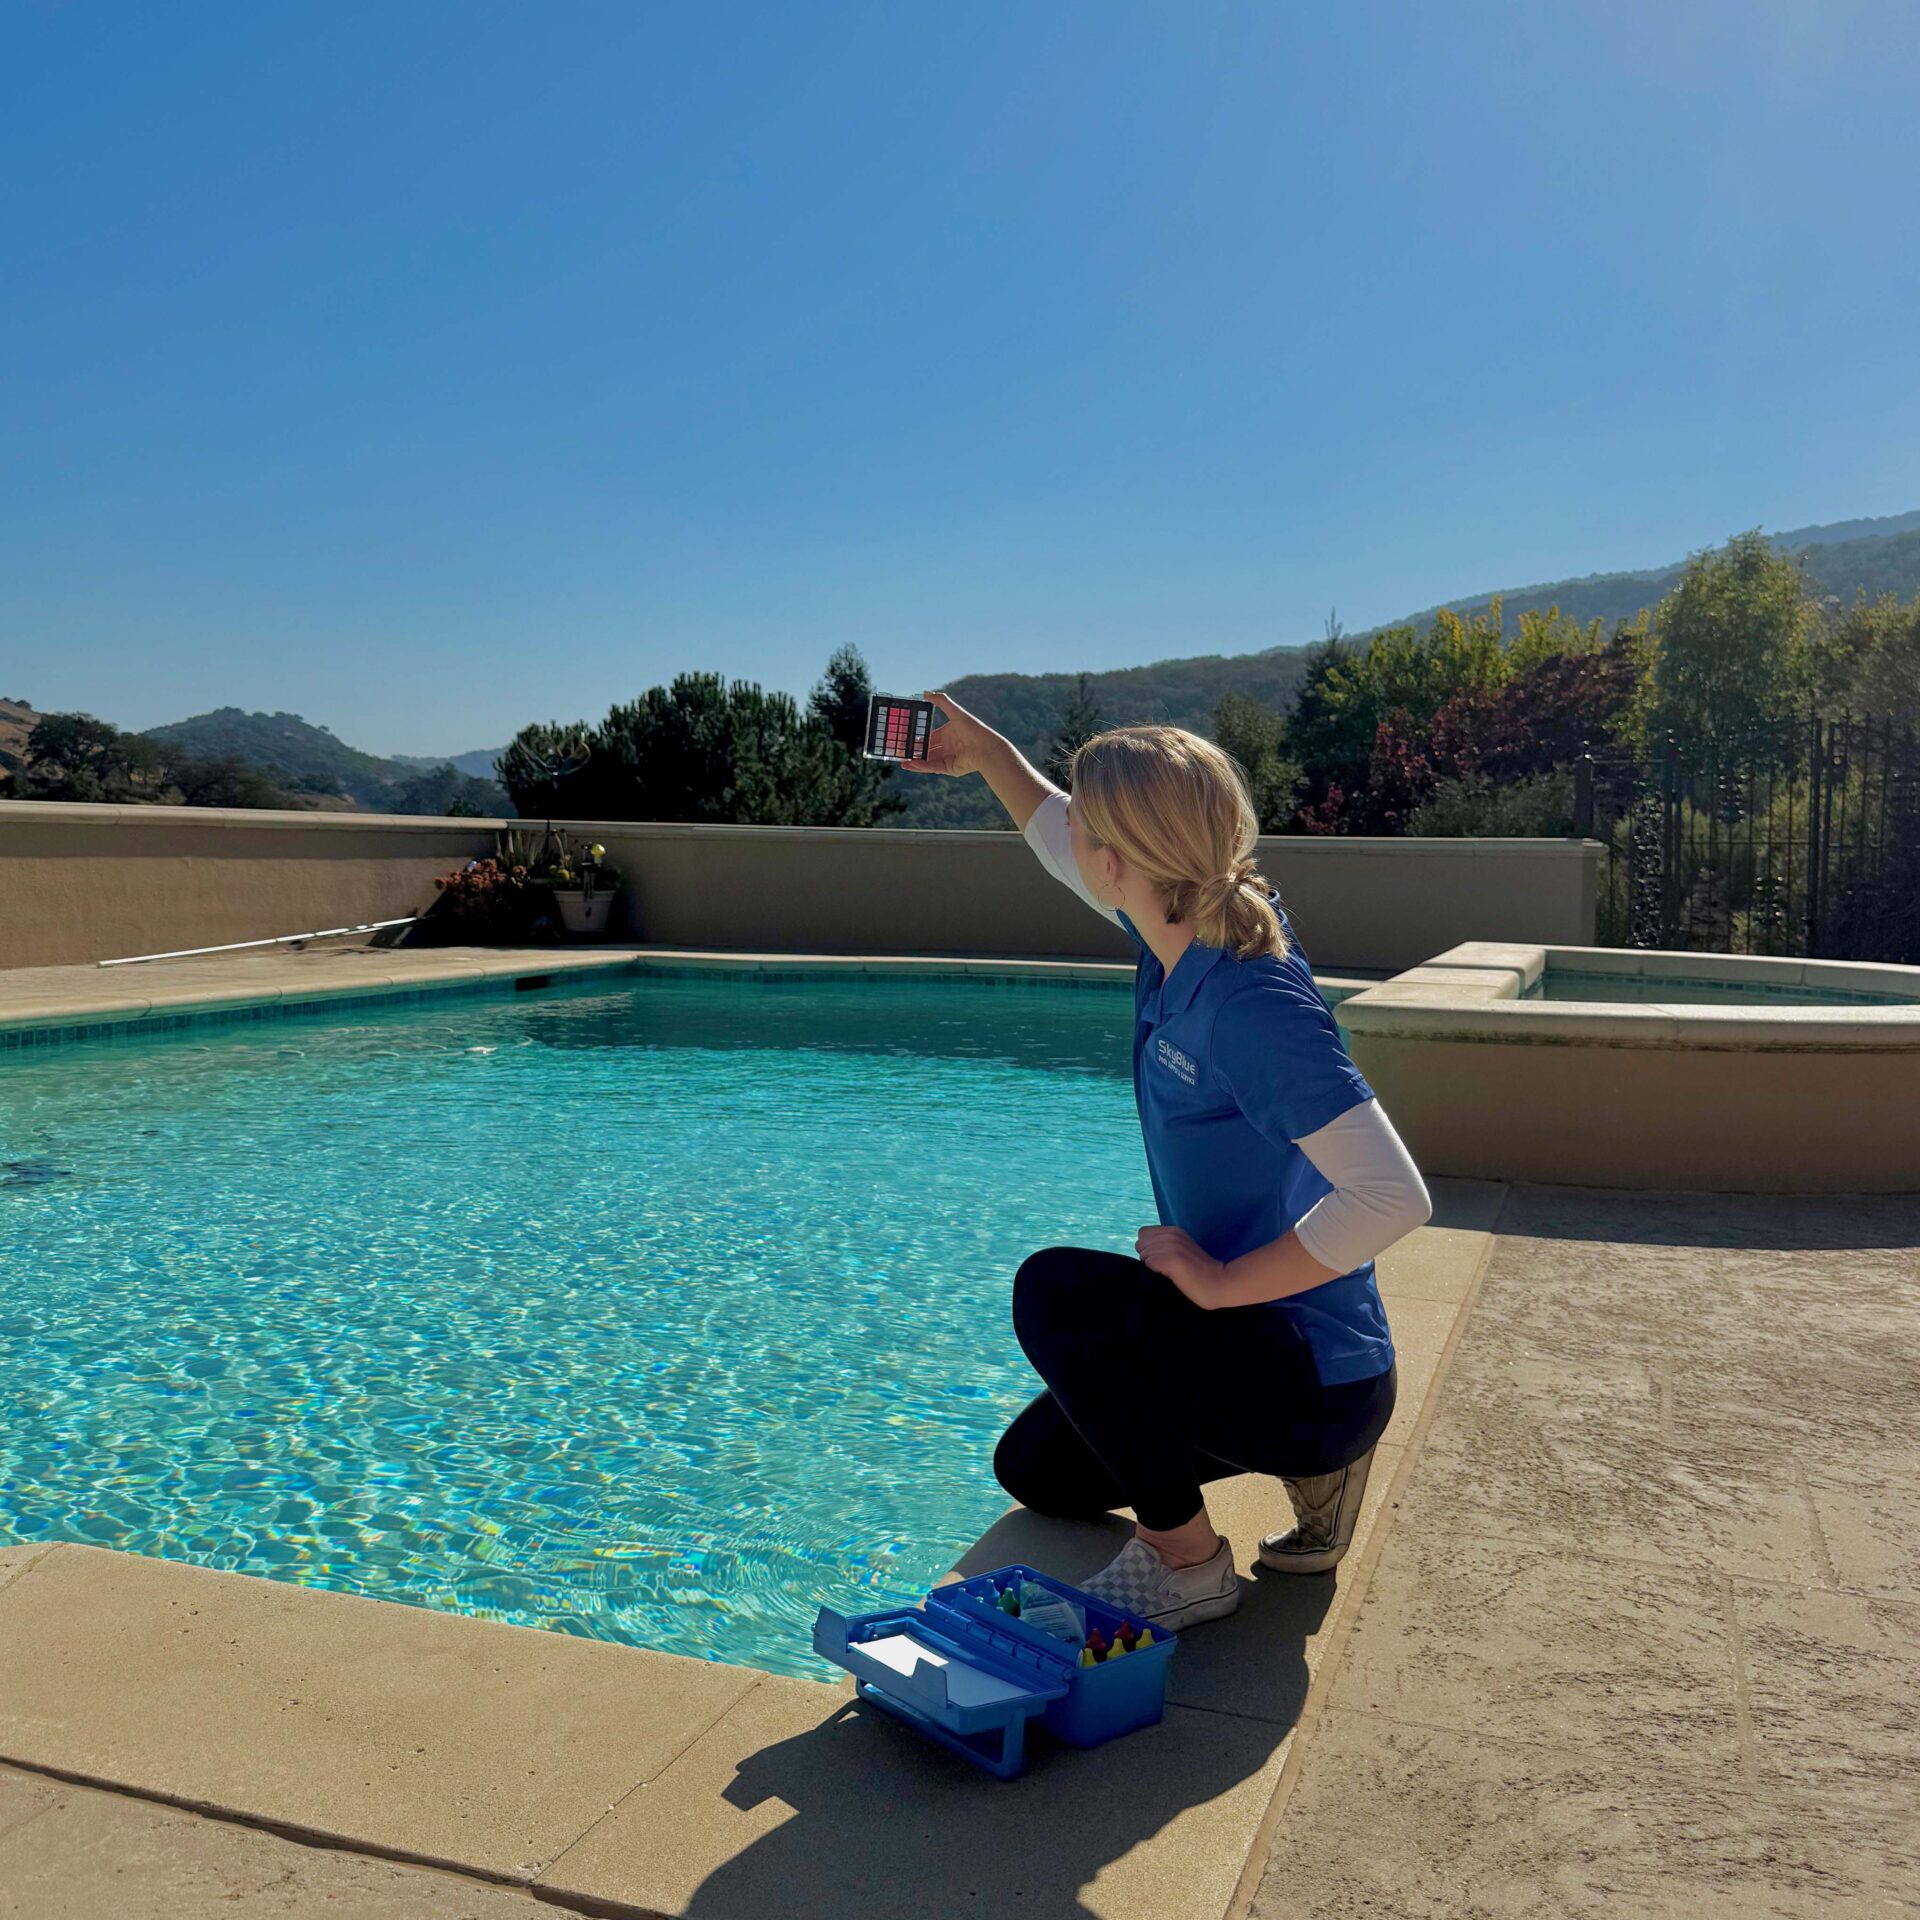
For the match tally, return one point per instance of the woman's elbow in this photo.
(1419, 1205)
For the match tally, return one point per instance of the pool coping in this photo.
(69, 1005)
(1475, 993)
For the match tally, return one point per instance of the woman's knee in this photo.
(1031, 1468)
(1013, 1467)
(1047, 1293)
(1063, 1295)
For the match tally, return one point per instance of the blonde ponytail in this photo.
(1175, 809)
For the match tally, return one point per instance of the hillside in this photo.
(478, 765)
(297, 753)
(1026, 707)
(17, 720)
(310, 759)
(1843, 559)
(1872, 564)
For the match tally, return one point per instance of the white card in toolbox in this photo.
(966, 1686)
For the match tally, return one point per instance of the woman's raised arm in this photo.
(966, 744)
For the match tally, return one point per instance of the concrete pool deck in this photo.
(1630, 1630)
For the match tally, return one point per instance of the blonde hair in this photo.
(1175, 809)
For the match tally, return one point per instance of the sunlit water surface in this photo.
(660, 1313)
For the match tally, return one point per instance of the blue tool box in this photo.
(971, 1676)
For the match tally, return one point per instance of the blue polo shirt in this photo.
(1233, 1061)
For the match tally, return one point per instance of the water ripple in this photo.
(658, 1315)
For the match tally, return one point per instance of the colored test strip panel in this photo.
(898, 729)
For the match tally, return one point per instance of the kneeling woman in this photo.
(1249, 1335)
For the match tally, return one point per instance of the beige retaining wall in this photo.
(81, 883)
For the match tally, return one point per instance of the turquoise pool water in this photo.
(660, 1312)
(1569, 983)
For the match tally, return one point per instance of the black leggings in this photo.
(1149, 1396)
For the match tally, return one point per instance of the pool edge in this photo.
(80, 1009)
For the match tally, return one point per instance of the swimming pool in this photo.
(658, 1312)
(1573, 983)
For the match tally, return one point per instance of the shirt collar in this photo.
(1179, 987)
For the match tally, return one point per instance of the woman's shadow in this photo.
(887, 1822)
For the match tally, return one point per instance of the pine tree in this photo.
(1078, 724)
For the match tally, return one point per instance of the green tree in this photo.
(446, 792)
(540, 766)
(841, 697)
(841, 701)
(1253, 735)
(1550, 636)
(701, 748)
(1472, 805)
(1398, 678)
(1080, 721)
(73, 756)
(222, 782)
(1869, 661)
(1734, 646)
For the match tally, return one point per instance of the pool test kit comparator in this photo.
(898, 729)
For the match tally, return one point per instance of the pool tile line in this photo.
(280, 1004)
(79, 1015)
(20, 1038)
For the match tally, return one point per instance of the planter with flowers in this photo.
(535, 888)
(584, 888)
(486, 903)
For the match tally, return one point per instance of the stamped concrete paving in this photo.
(1645, 1637)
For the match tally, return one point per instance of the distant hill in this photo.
(17, 720)
(1840, 530)
(478, 765)
(1843, 559)
(295, 751)
(1027, 707)
(311, 760)
(1839, 563)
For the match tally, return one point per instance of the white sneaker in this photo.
(1326, 1509)
(1136, 1584)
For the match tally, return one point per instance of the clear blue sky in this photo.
(430, 368)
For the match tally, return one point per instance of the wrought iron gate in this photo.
(1803, 839)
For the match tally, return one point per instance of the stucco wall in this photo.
(81, 883)
(1738, 1120)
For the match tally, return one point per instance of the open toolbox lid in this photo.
(967, 1684)
(970, 1675)
(964, 1675)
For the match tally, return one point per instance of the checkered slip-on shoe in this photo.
(1137, 1585)
(1326, 1509)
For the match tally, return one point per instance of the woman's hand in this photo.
(1175, 1253)
(961, 746)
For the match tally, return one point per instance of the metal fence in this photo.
(1802, 839)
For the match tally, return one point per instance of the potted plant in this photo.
(583, 888)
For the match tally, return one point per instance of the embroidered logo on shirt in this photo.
(1171, 1056)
